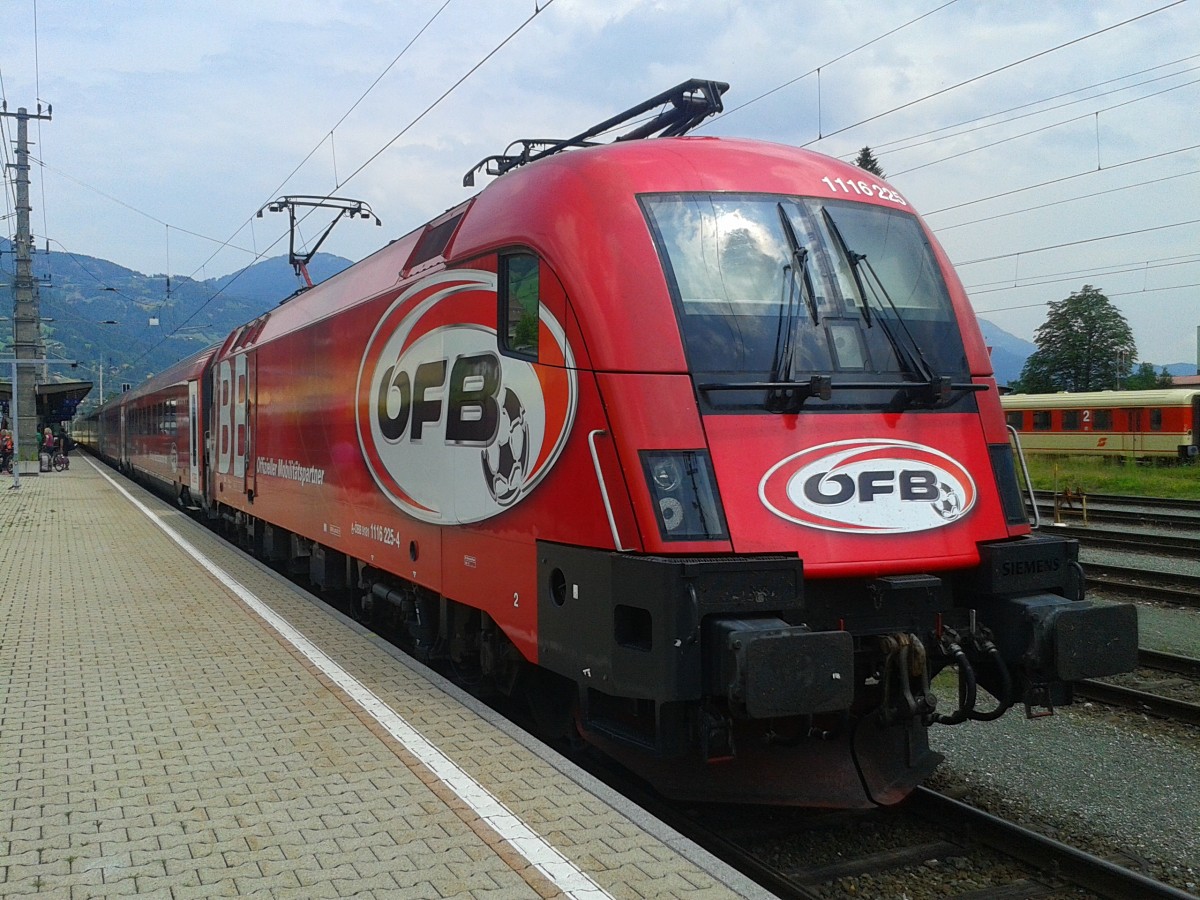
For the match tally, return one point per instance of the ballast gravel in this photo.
(1110, 781)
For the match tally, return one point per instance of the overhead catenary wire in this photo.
(1054, 203)
(1122, 268)
(538, 9)
(1047, 247)
(1042, 128)
(916, 140)
(996, 71)
(1109, 294)
(1042, 184)
(839, 58)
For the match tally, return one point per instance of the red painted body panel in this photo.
(1151, 423)
(311, 476)
(744, 448)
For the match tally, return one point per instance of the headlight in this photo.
(1005, 472)
(684, 491)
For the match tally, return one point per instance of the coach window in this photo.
(1070, 419)
(1015, 419)
(519, 303)
(1156, 420)
(1103, 419)
(1041, 420)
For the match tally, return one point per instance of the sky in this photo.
(1048, 145)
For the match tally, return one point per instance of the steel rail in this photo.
(1105, 878)
(1134, 541)
(1161, 586)
(1131, 698)
(1123, 500)
(1169, 662)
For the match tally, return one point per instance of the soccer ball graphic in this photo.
(506, 459)
(948, 505)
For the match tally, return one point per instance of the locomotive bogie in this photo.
(678, 440)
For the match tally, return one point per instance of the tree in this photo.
(866, 160)
(1144, 379)
(1085, 344)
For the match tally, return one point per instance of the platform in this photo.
(178, 721)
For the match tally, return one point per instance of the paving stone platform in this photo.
(162, 736)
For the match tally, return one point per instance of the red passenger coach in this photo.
(1160, 424)
(692, 443)
(156, 432)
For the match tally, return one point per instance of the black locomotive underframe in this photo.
(662, 647)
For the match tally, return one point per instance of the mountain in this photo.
(1180, 369)
(275, 278)
(1008, 351)
(101, 313)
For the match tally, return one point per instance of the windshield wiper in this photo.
(783, 395)
(908, 354)
(799, 263)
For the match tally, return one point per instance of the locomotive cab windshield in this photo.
(793, 298)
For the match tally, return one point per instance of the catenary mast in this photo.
(27, 333)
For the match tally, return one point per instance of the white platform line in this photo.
(559, 870)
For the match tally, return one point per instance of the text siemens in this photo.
(1030, 567)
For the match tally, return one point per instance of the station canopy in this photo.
(56, 400)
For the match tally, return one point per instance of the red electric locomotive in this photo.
(692, 441)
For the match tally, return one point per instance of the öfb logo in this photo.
(869, 486)
(452, 430)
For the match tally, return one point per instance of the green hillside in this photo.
(100, 313)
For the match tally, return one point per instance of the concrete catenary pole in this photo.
(27, 333)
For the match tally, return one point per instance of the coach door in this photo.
(193, 421)
(1192, 427)
(250, 405)
(1134, 436)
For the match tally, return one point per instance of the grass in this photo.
(1096, 475)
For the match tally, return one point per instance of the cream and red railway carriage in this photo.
(1140, 424)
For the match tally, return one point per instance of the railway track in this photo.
(1116, 509)
(930, 843)
(1122, 500)
(1180, 546)
(1145, 584)
(1165, 685)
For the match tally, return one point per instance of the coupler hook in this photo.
(904, 669)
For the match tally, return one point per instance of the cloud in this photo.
(198, 114)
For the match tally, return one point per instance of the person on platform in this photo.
(6, 449)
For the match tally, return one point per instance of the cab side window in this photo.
(519, 303)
